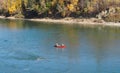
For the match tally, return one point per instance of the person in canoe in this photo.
(59, 46)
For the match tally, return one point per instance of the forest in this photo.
(102, 9)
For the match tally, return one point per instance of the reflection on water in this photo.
(27, 47)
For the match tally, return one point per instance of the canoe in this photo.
(62, 47)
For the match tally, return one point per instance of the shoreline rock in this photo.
(69, 20)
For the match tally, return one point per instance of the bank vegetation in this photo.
(109, 10)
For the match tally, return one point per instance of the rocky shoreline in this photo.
(68, 20)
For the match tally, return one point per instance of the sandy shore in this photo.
(80, 21)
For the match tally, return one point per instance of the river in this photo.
(28, 47)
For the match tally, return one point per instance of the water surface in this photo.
(27, 47)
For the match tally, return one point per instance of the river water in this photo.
(28, 47)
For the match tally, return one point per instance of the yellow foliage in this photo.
(90, 9)
(13, 6)
(65, 7)
(61, 2)
(25, 2)
(70, 7)
(74, 2)
(12, 9)
(53, 2)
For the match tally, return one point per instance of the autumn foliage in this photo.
(56, 8)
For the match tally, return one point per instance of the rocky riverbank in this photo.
(111, 14)
(68, 20)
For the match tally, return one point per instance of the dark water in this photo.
(27, 47)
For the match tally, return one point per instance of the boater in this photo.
(59, 46)
(56, 45)
(62, 45)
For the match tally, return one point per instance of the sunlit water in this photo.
(28, 47)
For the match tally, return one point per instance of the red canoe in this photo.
(60, 47)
